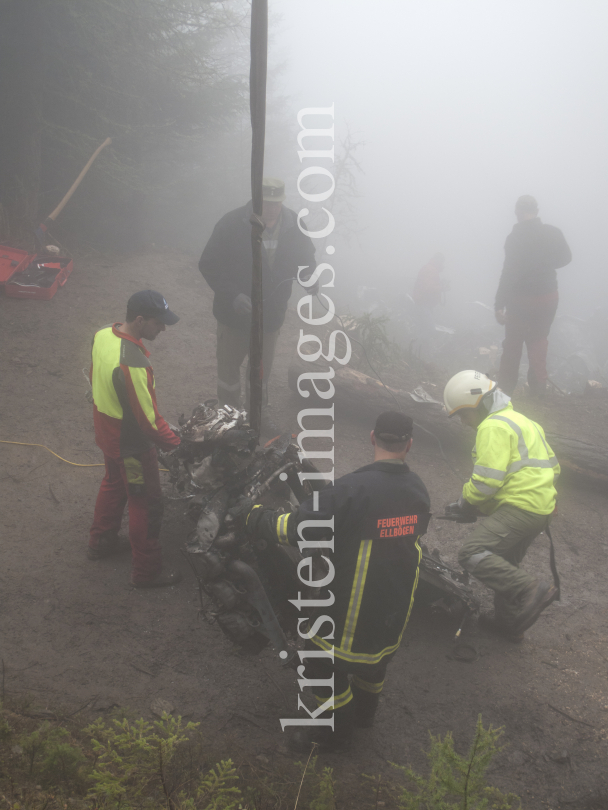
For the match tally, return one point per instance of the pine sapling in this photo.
(456, 782)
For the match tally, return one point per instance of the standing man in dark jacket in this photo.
(226, 264)
(526, 300)
(378, 514)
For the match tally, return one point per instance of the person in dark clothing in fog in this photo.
(527, 298)
(226, 265)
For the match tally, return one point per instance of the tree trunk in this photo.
(360, 394)
(21, 97)
(580, 457)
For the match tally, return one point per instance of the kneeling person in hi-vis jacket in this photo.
(378, 514)
(513, 484)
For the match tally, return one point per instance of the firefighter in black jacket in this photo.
(226, 265)
(379, 514)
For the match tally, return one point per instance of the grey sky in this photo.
(464, 106)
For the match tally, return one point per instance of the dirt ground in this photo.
(75, 631)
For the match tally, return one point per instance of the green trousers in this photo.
(494, 550)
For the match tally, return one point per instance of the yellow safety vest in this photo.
(513, 464)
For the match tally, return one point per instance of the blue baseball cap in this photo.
(151, 304)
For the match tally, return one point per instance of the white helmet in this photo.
(466, 390)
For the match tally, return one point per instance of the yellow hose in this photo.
(73, 463)
(31, 444)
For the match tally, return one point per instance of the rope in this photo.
(73, 463)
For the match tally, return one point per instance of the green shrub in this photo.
(325, 797)
(62, 762)
(456, 782)
(45, 752)
(217, 789)
(132, 764)
(133, 767)
(5, 729)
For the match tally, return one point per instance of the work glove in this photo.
(461, 511)
(239, 513)
(168, 458)
(242, 304)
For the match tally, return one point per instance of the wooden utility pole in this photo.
(257, 103)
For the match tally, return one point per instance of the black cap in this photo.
(394, 427)
(151, 304)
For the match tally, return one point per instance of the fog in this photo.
(463, 107)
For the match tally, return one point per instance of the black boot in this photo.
(534, 599)
(501, 622)
(324, 737)
(493, 624)
(325, 740)
(366, 705)
(108, 545)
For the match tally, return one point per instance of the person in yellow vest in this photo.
(129, 429)
(513, 485)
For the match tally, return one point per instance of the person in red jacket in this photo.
(429, 288)
(128, 429)
(428, 293)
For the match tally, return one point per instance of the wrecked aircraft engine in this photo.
(249, 582)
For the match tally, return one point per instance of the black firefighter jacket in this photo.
(226, 265)
(380, 511)
(533, 252)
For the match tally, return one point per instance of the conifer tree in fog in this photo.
(155, 75)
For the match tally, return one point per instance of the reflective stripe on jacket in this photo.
(379, 513)
(127, 421)
(513, 464)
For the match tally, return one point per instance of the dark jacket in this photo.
(380, 511)
(533, 252)
(226, 265)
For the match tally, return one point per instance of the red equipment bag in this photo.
(40, 279)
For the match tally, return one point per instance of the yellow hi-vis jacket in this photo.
(126, 417)
(513, 464)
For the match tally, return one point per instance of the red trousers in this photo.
(134, 480)
(528, 320)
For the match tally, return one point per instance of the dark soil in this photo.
(75, 631)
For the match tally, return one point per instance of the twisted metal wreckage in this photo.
(248, 582)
